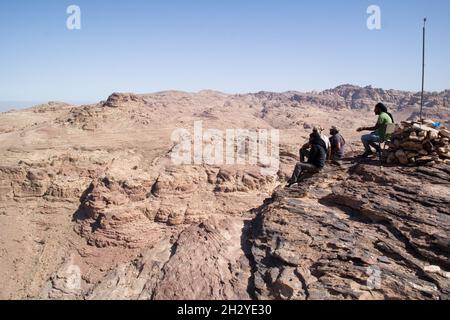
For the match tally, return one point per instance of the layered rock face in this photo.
(122, 100)
(374, 234)
(355, 97)
(121, 213)
(205, 261)
(351, 232)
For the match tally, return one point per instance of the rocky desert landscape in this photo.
(93, 207)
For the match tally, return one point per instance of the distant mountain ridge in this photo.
(347, 96)
(354, 97)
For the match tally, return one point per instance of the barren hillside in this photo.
(93, 191)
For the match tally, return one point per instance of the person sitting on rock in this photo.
(325, 139)
(304, 151)
(337, 142)
(316, 159)
(379, 130)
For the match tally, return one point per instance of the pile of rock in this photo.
(419, 144)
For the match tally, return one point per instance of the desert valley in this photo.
(93, 207)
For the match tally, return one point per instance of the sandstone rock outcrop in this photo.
(204, 261)
(353, 232)
(111, 211)
(118, 100)
(355, 97)
(375, 235)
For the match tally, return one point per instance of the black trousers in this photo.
(300, 168)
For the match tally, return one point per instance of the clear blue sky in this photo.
(228, 45)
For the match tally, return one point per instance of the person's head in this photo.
(314, 137)
(380, 108)
(318, 129)
(334, 130)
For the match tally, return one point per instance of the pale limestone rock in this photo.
(445, 133)
(432, 269)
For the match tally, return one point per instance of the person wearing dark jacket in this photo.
(316, 159)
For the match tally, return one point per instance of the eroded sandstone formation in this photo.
(92, 207)
(372, 234)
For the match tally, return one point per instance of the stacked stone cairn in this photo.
(419, 144)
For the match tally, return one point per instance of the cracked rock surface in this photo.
(375, 234)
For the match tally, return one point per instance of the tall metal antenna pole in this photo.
(423, 70)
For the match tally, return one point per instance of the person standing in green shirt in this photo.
(379, 130)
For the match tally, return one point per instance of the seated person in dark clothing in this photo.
(304, 151)
(316, 158)
(337, 142)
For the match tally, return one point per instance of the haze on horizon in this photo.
(233, 47)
